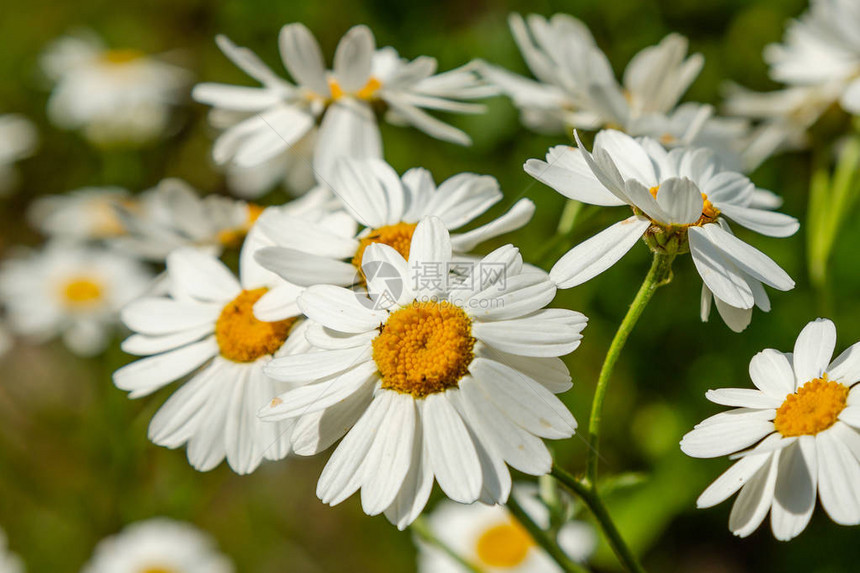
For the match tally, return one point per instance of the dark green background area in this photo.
(75, 464)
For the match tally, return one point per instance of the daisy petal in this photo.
(339, 309)
(838, 479)
(794, 496)
(735, 477)
(755, 499)
(303, 58)
(846, 367)
(201, 276)
(451, 452)
(301, 368)
(772, 373)
(767, 223)
(547, 332)
(743, 398)
(518, 215)
(352, 58)
(315, 432)
(305, 269)
(813, 350)
(719, 274)
(149, 374)
(595, 255)
(681, 200)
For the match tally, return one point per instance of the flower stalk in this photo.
(544, 539)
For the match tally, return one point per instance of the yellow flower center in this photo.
(80, 292)
(121, 56)
(158, 570)
(813, 408)
(234, 237)
(243, 338)
(504, 546)
(709, 211)
(424, 348)
(398, 237)
(365, 93)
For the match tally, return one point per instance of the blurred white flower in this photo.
(113, 96)
(9, 562)
(173, 214)
(205, 327)
(69, 290)
(679, 199)
(158, 545)
(6, 340)
(343, 101)
(819, 61)
(576, 87)
(17, 141)
(389, 207)
(428, 379)
(91, 213)
(491, 538)
(796, 435)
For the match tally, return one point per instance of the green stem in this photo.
(659, 274)
(422, 530)
(592, 499)
(544, 539)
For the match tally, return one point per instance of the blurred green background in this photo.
(75, 464)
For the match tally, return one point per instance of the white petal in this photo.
(416, 488)
(523, 400)
(161, 316)
(352, 58)
(628, 156)
(737, 319)
(771, 372)
(813, 350)
(201, 276)
(595, 255)
(755, 499)
(794, 497)
(765, 222)
(681, 200)
(743, 398)
(315, 432)
(725, 434)
(339, 309)
(462, 198)
(303, 58)
(736, 476)
(149, 374)
(389, 458)
(244, 451)
(279, 303)
(180, 416)
(516, 217)
(566, 171)
(846, 367)
(838, 479)
(348, 129)
(143, 345)
(517, 296)
(718, 273)
(552, 373)
(303, 368)
(451, 452)
(431, 245)
(355, 182)
(547, 332)
(305, 269)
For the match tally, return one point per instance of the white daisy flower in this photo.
(17, 142)
(72, 291)
(158, 545)
(205, 327)
(493, 540)
(90, 213)
(9, 562)
(679, 200)
(797, 434)
(342, 102)
(429, 380)
(113, 96)
(820, 48)
(388, 207)
(173, 215)
(576, 87)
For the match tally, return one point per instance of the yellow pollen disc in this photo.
(158, 570)
(812, 409)
(503, 546)
(234, 237)
(366, 93)
(81, 292)
(121, 56)
(709, 211)
(243, 338)
(424, 348)
(398, 237)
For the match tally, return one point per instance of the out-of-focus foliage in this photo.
(75, 464)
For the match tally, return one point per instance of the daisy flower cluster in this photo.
(380, 314)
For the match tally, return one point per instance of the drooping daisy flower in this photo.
(679, 200)
(797, 434)
(576, 87)
(9, 562)
(205, 327)
(158, 545)
(17, 141)
(343, 101)
(429, 379)
(72, 291)
(491, 539)
(173, 215)
(389, 208)
(90, 213)
(113, 96)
